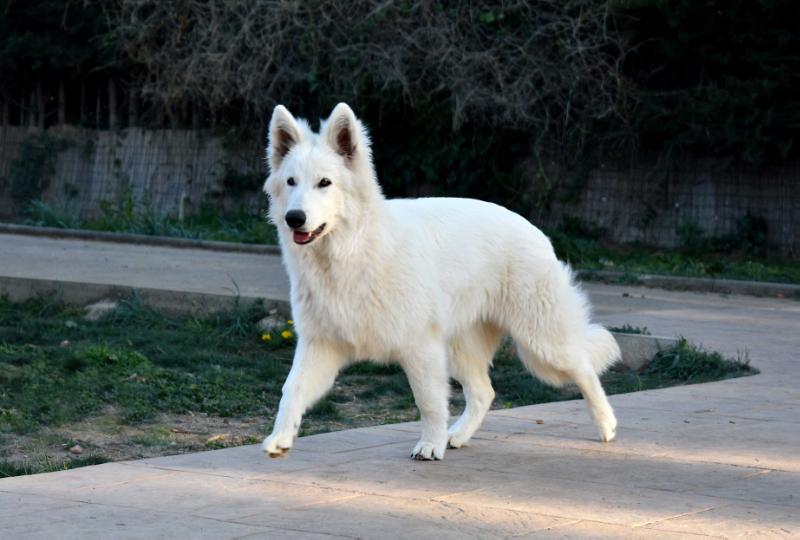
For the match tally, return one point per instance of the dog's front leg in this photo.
(313, 372)
(426, 368)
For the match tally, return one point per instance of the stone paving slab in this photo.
(711, 460)
(518, 484)
(518, 478)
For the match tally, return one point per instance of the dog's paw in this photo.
(427, 451)
(456, 440)
(276, 446)
(608, 429)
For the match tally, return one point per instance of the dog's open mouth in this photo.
(301, 237)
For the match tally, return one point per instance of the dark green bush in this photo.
(717, 77)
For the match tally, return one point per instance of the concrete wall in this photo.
(161, 168)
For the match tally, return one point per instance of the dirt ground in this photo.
(105, 436)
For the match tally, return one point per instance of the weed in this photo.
(692, 364)
(39, 213)
(628, 329)
(45, 465)
(152, 436)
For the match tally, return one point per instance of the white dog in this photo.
(433, 284)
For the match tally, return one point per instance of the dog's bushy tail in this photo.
(602, 348)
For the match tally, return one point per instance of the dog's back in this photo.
(469, 240)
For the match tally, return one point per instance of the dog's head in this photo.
(312, 174)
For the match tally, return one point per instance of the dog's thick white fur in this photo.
(433, 284)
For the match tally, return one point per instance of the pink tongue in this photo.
(301, 237)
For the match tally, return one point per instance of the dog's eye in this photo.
(324, 183)
(290, 181)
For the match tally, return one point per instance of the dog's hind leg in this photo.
(426, 368)
(557, 342)
(578, 370)
(313, 372)
(596, 401)
(470, 357)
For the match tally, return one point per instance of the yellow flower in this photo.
(286, 334)
(290, 322)
(266, 337)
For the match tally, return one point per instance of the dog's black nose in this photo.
(295, 218)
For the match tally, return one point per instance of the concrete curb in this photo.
(144, 239)
(721, 286)
(639, 349)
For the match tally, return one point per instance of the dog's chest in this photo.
(348, 312)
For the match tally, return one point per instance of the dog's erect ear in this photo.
(284, 133)
(342, 131)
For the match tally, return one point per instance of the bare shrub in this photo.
(545, 66)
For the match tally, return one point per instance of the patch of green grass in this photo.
(643, 260)
(372, 368)
(325, 409)
(628, 329)
(379, 386)
(691, 364)
(46, 465)
(138, 360)
(404, 402)
(208, 224)
(152, 436)
(56, 368)
(682, 364)
(733, 257)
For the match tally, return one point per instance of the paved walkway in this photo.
(86, 271)
(717, 459)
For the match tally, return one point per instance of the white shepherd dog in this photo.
(433, 284)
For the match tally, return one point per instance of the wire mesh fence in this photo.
(179, 172)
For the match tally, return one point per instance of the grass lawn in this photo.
(711, 258)
(139, 383)
(244, 227)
